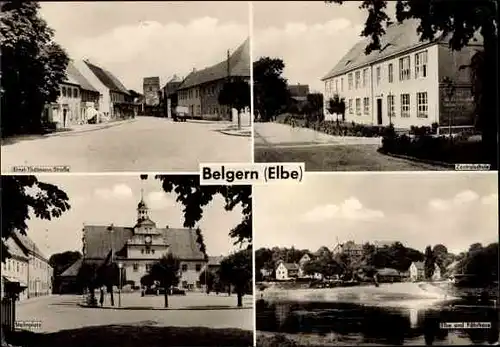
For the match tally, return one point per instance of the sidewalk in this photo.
(36, 299)
(82, 128)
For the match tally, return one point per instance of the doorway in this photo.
(379, 111)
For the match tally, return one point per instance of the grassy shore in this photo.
(132, 336)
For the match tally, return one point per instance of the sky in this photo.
(102, 200)
(310, 36)
(140, 39)
(417, 209)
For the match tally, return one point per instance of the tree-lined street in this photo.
(145, 144)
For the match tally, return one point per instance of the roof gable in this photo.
(398, 38)
(107, 78)
(73, 74)
(73, 270)
(29, 245)
(99, 240)
(239, 66)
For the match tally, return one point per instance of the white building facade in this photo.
(403, 83)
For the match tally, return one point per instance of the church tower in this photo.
(144, 224)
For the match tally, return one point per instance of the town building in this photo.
(298, 94)
(68, 279)
(138, 247)
(15, 268)
(151, 90)
(388, 275)
(302, 262)
(27, 267)
(286, 271)
(417, 272)
(199, 91)
(349, 248)
(169, 96)
(115, 101)
(77, 102)
(404, 83)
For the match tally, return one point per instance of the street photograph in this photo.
(124, 261)
(124, 86)
(377, 260)
(376, 85)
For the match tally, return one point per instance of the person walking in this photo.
(101, 298)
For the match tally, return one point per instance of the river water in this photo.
(313, 322)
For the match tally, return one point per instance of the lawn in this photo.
(132, 336)
(338, 158)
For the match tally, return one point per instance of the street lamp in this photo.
(120, 265)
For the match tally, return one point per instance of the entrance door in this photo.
(379, 111)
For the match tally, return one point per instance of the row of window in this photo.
(184, 267)
(69, 92)
(359, 79)
(405, 105)
(196, 92)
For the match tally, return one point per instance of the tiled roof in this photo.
(290, 266)
(75, 77)
(239, 65)
(398, 38)
(72, 271)
(107, 78)
(419, 265)
(14, 249)
(298, 90)
(98, 240)
(175, 79)
(29, 245)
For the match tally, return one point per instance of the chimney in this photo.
(166, 226)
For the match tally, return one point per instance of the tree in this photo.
(270, 88)
(166, 272)
(314, 107)
(201, 242)
(429, 263)
(236, 269)
(235, 94)
(147, 280)
(207, 278)
(27, 194)
(459, 21)
(33, 66)
(194, 196)
(336, 105)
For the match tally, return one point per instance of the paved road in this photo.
(62, 312)
(275, 142)
(145, 144)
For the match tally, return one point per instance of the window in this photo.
(357, 81)
(135, 267)
(148, 267)
(17, 266)
(358, 107)
(366, 106)
(378, 75)
(404, 68)
(152, 251)
(390, 106)
(142, 251)
(349, 81)
(421, 64)
(405, 105)
(422, 105)
(342, 84)
(64, 91)
(184, 267)
(198, 267)
(184, 284)
(75, 93)
(198, 284)
(365, 77)
(148, 251)
(350, 107)
(390, 73)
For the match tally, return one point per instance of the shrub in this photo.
(91, 300)
(275, 340)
